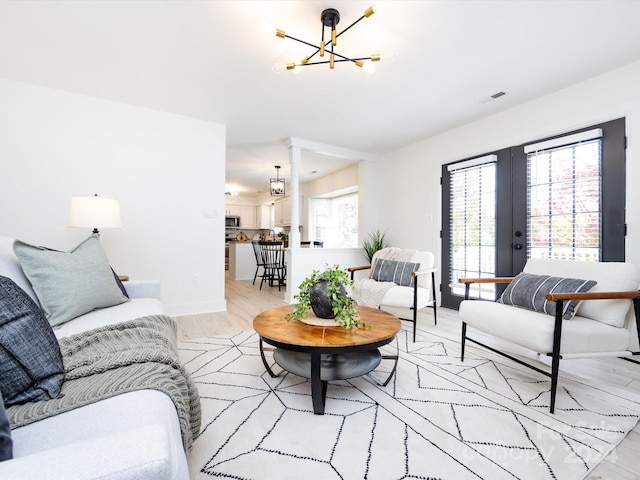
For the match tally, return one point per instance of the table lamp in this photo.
(94, 212)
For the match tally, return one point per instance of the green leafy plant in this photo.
(374, 241)
(283, 236)
(342, 305)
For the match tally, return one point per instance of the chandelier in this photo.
(330, 17)
(276, 185)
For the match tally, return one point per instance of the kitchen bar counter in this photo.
(242, 261)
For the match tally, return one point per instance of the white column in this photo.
(294, 161)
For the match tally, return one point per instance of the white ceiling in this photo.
(210, 60)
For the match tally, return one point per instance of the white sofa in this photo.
(130, 436)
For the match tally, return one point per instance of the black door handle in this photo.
(517, 246)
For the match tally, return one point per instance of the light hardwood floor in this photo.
(244, 301)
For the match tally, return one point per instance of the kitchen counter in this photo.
(242, 261)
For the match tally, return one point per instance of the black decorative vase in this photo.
(320, 300)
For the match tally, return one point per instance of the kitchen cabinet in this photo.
(282, 212)
(263, 216)
(247, 214)
(232, 210)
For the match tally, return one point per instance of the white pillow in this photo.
(70, 284)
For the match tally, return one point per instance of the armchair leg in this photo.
(415, 309)
(463, 340)
(415, 322)
(555, 358)
(433, 291)
(555, 370)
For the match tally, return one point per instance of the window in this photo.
(472, 222)
(335, 220)
(563, 198)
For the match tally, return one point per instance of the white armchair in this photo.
(398, 280)
(604, 323)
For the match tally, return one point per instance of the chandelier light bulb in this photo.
(378, 7)
(386, 56)
(266, 29)
(369, 67)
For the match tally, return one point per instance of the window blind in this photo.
(563, 141)
(564, 214)
(472, 222)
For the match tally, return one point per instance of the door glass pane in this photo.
(563, 202)
(473, 228)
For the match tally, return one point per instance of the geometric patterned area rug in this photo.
(486, 417)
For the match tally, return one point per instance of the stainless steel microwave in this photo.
(232, 221)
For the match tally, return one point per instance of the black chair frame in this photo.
(557, 333)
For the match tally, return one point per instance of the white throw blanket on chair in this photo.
(369, 292)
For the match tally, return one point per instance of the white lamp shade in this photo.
(94, 212)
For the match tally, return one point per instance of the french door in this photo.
(560, 197)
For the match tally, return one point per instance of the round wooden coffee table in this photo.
(326, 353)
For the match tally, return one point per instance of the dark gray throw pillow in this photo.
(6, 444)
(393, 271)
(31, 366)
(530, 291)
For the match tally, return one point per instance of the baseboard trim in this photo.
(195, 308)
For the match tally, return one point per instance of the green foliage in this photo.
(343, 306)
(375, 241)
(283, 236)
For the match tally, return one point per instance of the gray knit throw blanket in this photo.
(104, 362)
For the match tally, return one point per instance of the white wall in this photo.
(342, 179)
(412, 208)
(164, 169)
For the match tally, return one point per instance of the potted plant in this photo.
(324, 292)
(284, 238)
(375, 241)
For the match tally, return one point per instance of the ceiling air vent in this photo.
(492, 97)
